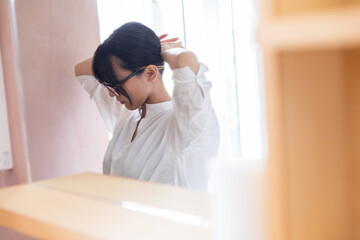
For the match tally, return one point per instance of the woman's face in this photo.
(137, 87)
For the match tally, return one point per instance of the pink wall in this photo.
(55, 129)
(65, 133)
(53, 125)
(19, 174)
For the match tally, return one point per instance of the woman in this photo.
(155, 137)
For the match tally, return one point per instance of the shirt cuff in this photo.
(89, 84)
(186, 79)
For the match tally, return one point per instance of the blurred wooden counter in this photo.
(94, 206)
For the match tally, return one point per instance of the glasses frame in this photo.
(113, 88)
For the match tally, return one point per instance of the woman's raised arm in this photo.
(84, 67)
(176, 56)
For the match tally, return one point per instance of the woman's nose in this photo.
(111, 94)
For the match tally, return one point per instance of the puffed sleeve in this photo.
(193, 111)
(110, 109)
(195, 126)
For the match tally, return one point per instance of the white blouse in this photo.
(176, 141)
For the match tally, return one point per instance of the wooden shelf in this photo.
(93, 206)
(311, 52)
(330, 29)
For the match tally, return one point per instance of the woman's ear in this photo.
(151, 73)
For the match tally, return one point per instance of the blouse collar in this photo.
(156, 108)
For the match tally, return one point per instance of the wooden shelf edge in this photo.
(331, 29)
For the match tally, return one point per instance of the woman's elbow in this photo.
(84, 68)
(77, 70)
(188, 59)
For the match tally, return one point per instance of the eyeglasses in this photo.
(113, 88)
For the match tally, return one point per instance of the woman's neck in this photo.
(159, 93)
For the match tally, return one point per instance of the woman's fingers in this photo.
(169, 45)
(170, 40)
(163, 40)
(161, 37)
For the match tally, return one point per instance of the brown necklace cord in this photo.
(135, 132)
(138, 123)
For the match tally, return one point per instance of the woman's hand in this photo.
(176, 55)
(162, 40)
(167, 44)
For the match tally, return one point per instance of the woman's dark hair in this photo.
(135, 45)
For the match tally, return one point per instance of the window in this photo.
(5, 148)
(221, 33)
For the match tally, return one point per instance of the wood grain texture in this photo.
(325, 30)
(315, 136)
(277, 189)
(352, 98)
(86, 209)
(116, 189)
(285, 7)
(313, 113)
